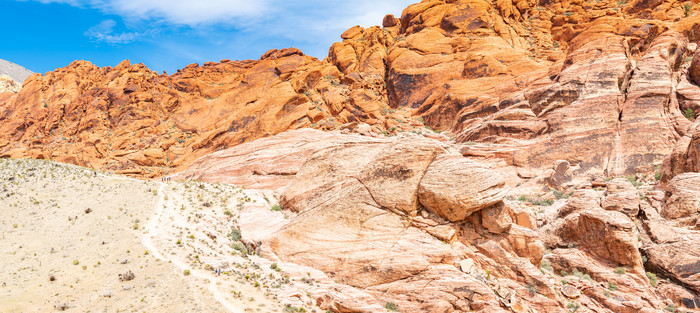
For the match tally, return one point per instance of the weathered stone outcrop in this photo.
(382, 243)
(576, 103)
(683, 202)
(68, 114)
(454, 187)
(7, 84)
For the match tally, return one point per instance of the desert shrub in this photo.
(240, 247)
(689, 114)
(633, 180)
(573, 306)
(391, 307)
(581, 275)
(546, 265)
(235, 234)
(653, 279)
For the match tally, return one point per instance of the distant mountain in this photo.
(17, 72)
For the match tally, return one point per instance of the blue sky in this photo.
(43, 35)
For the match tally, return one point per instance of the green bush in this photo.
(652, 279)
(390, 306)
(235, 234)
(240, 247)
(633, 180)
(670, 308)
(186, 273)
(620, 270)
(573, 306)
(689, 114)
(581, 275)
(276, 207)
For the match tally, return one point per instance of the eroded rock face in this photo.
(571, 88)
(621, 196)
(176, 118)
(355, 204)
(607, 234)
(454, 187)
(683, 203)
(602, 85)
(7, 84)
(380, 244)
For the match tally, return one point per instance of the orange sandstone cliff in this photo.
(534, 81)
(519, 206)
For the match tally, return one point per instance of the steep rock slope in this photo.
(602, 84)
(8, 85)
(599, 83)
(408, 222)
(16, 71)
(132, 120)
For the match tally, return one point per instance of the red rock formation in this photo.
(131, 120)
(601, 84)
(556, 92)
(359, 209)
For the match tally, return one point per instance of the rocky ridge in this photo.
(533, 83)
(409, 221)
(565, 179)
(15, 71)
(8, 85)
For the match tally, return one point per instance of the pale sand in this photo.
(45, 230)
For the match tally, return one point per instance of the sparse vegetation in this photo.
(186, 272)
(581, 275)
(537, 201)
(532, 289)
(573, 306)
(653, 279)
(619, 270)
(391, 307)
(235, 234)
(290, 309)
(545, 265)
(633, 180)
(670, 307)
(689, 114)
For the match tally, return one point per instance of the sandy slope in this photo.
(156, 230)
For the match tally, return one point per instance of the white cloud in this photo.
(186, 31)
(242, 12)
(178, 12)
(104, 31)
(188, 12)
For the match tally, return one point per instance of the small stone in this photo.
(570, 291)
(467, 266)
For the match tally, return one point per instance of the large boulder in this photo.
(390, 170)
(679, 260)
(621, 196)
(606, 234)
(683, 199)
(454, 187)
(694, 69)
(353, 210)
